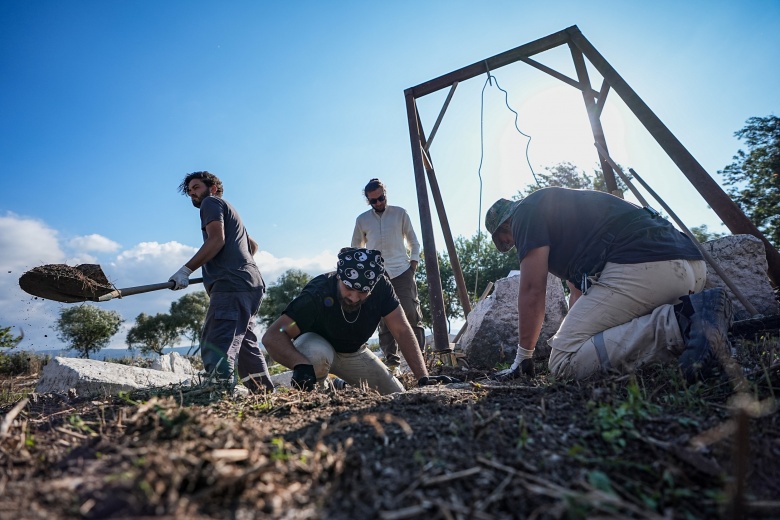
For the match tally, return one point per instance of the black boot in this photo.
(705, 319)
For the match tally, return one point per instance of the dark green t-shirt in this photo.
(317, 310)
(586, 229)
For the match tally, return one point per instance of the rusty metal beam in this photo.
(592, 110)
(602, 99)
(438, 119)
(460, 282)
(719, 201)
(441, 339)
(492, 63)
(557, 75)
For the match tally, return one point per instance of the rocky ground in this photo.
(646, 446)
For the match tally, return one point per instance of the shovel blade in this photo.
(66, 284)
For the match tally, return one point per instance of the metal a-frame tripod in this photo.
(580, 48)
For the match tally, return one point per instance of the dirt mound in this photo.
(644, 447)
(66, 283)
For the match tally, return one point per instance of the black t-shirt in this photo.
(317, 310)
(586, 229)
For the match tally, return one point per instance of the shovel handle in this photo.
(129, 291)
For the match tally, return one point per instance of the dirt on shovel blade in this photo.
(64, 283)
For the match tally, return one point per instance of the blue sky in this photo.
(106, 105)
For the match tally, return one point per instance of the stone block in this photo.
(174, 362)
(743, 259)
(90, 378)
(491, 333)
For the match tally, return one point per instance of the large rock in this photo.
(282, 378)
(90, 378)
(491, 334)
(743, 259)
(174, 362)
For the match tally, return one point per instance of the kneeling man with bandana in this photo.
(325, 329)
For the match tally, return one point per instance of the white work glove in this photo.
(181, 278)
(523, 365)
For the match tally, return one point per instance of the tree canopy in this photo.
(188, 314)
(481, 264)
(151, 334)
(86, 328)
(7, 339)
(567, 175)
(754, 176)
(282, 292)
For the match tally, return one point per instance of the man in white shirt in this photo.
(389, 230)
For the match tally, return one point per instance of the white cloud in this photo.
(272, 267)
(152, 250)
(82, 259)
(93, 242)
(26, 243)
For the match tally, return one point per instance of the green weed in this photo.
(616, 422)
(79, 424)
(279, 450)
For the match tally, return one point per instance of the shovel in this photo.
(86, 282)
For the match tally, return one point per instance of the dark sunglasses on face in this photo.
(380, 198)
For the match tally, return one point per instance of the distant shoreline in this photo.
(107, 353)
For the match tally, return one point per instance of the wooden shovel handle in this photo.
(129, 291)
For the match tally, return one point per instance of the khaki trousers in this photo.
(356, 368)
(626, 319)
(406, 291)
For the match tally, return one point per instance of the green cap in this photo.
(498, 213)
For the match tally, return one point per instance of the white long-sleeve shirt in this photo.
(387, 232)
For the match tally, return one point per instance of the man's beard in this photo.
(199, 200)
(346, 306)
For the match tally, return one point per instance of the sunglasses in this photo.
(380, 198)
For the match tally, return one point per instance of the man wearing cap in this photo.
(636, 286)
(389, 230)
(325, 329)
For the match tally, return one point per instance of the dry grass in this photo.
(643, 446)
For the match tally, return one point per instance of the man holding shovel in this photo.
(233, 282)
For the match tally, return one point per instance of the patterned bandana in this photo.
(360, 269)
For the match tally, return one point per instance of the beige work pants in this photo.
(626, 319)
(356, 368)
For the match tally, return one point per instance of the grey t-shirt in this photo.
(233, 269)
(586, 229)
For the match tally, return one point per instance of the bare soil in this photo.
(643, 446)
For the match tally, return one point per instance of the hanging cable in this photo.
(489, 81)
(479, 174)
(517, 116)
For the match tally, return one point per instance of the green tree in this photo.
(87, 329)
(703, 234)
(151, 334)
(452, 307)
(754, 176)
(287, 287)
(7, 339)
(481, 264)
(567, 175)
(188, 314)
